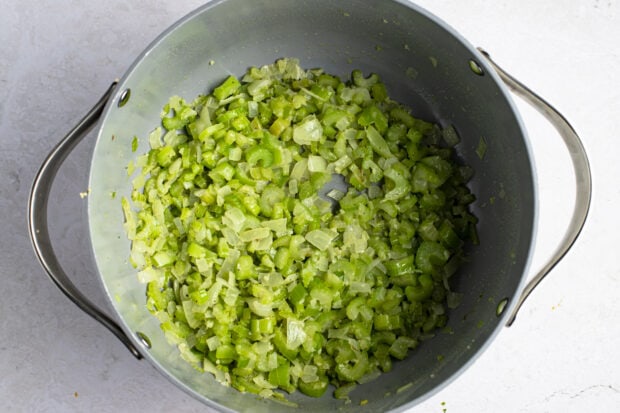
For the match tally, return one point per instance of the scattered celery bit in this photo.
(481, 149)
(263, 283)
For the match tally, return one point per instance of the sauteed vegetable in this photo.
(295, 230)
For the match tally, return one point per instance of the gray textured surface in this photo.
(57, 57)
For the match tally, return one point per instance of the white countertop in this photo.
(561, 355)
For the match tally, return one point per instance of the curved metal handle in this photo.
(581, 167)
(37, 220)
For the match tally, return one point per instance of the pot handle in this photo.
(37, 220)
(581, 169)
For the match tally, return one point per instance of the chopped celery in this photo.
(377, 142)
(262, 282)
(257, 154)
(230, 86)
(313, 389)
(450, 136)
(481, 149)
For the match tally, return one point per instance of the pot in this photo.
(424, 64)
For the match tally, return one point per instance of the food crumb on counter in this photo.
(85, 194)
(75, 394)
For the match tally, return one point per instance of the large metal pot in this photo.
(424, 64)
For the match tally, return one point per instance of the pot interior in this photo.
(425, 65)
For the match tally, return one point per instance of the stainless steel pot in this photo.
(424, 64)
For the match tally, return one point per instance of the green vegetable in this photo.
(230, 86)
(265, 284)
(481, 149)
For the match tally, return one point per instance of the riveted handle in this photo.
(581, 169)
(37, 220)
